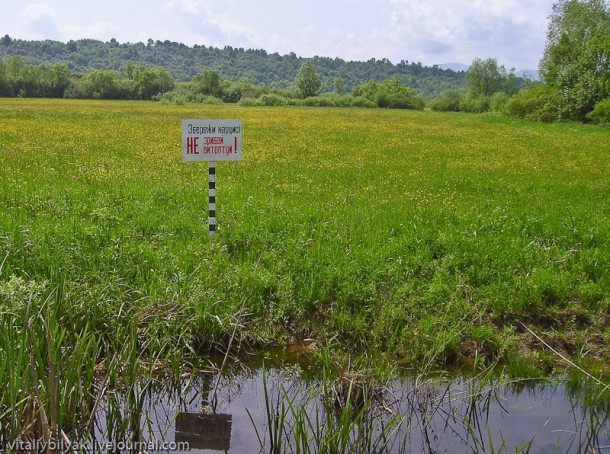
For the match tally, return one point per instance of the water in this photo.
(436, 415)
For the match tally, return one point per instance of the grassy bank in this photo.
(422, 235)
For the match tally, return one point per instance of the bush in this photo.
(498, 102)
(250, 102)
(321, 101)
(475, 104)
(359, 101)
(272, 100)
(329, 100)
(390, 93)
(539, 103)
(101, 84)
(601, 113)
(448, 101)
(183, 93)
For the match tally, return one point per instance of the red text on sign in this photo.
(191, 145)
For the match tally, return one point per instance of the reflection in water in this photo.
(452, 416)
(203, 431)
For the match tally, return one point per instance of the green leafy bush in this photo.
(601, 112)
(391, 94)
(475, 104)
(448, 101)
(538, 103)
(272, 100)
(498, 101)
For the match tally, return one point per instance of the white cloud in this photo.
(213, 22)
(461, 30)
(185, 6)
(39, 19)
(430, 31)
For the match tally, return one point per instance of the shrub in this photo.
(329, 100)
(359, 101)
(272, 100)
(250, 102)
(537, 103)
(498, 101)
(448, 101)
(390, 93)
(475, 104)
(601, 112)
(320, 101)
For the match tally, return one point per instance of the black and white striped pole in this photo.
(212, 197)
(211, 140)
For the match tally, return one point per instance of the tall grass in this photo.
(328, 419)
(47, 370)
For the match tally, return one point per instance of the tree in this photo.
(576, 59)
(60, 77)
(307, 81)
(390, 93)
(484, 77)
(340, 86)
(208, 83)
(149, 82)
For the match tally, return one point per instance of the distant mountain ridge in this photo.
(271, 69)
(531, 74)
(454, 66)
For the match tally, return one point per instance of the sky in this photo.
(427, 31)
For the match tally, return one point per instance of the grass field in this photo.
(424, 236)
(407, 232)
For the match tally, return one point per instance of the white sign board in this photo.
(211, 140)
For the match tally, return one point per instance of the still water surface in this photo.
(452, 414)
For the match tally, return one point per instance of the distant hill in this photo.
(531, 74)
(184, 62)
(454, 66)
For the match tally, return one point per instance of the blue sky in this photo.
(431, 32)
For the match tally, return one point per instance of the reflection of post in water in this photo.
(204, 430)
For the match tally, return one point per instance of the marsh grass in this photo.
(327, 419)
(55, 376)
(429, 413)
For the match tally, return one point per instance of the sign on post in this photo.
(211, 140)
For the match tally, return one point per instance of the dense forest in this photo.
(259, 67)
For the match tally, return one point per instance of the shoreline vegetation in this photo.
(389, 237)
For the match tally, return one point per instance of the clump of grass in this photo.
(338, 416)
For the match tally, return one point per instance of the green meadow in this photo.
(418, 234)
(427, 238)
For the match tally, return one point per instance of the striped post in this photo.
(212, 197)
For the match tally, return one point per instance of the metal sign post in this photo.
(212, 197)
(211, 140)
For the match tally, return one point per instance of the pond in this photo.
(284, 406)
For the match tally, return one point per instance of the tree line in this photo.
(575, 72)
(141, 82)
(259, 67)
